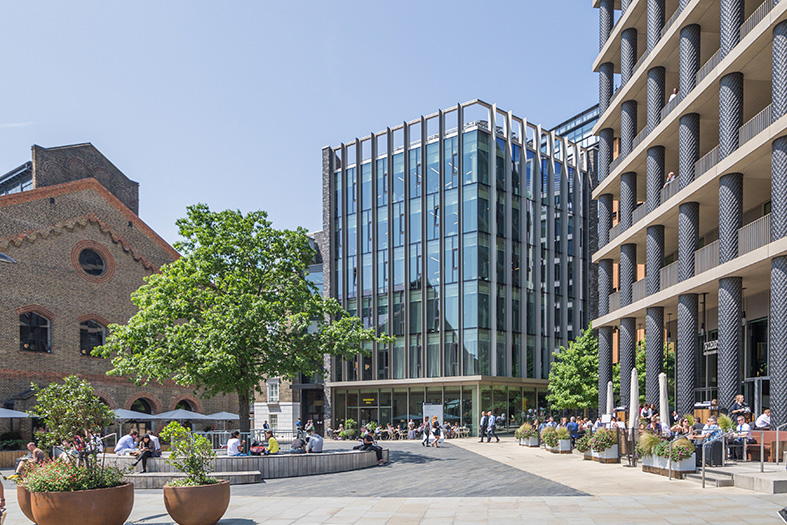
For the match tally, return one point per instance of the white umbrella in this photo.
(664, 404)
(122, 413)
(610, 400)
(224, 416)
(6, 413)
(634, 402)
(180, 415)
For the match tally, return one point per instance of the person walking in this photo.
(425, 430)
(491, 429)
(436, 431)
(483, 424)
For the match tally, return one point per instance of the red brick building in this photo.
(72, 250)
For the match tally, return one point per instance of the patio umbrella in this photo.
(634, 403)
(224, 416)
(180, 415)
(6, 413)
(610, 400)
(123, 414)
(664, 403)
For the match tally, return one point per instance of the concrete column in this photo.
(779, 85)
(654, 177)
(732, 16)
(656, 94)
(628, 126)
(628, 198)
(730, 112)
(730, 306)
(604, 365)
(689, 58)
(730, 215)
(605, 11)
(605, 76)
(687, 352)
(628, 341)
(604, 285)
(628, 54)
(779, 188)
(604, 218)
(628, 272)
(777, 347)
(655, 22)
(654, 258)
(654, 352)
(688, 236)
(688, 147)
(604, 152)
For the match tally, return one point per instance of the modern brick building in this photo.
(74, 250)
(692, 197)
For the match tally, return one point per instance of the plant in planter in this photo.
(197, 498)
(657, 457)
(563, 434)
(527, 435)
(725, 422)
(583, 443)
(76, 488)
(604, 446)
(646, 443)
(549, 437)
(350, 429)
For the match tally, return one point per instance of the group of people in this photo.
(486, 427)
(141, 447)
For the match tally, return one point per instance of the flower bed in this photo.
(603, 446)
(658, 457)
(527, 435)
(609, 455)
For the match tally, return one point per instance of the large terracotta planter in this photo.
(84, 507)
(202, 505)
(23, 499)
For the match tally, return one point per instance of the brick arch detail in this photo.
(103, 251)
(106, 397)
(155, 402)
(191, 399)
(94, 317)
(37, 308)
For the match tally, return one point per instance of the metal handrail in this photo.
(756, 17)
(709, 66)
(671, 21)
(642, 135)
(778, 443)
(672, 104)
(707, 442)
(754, 126)
(639, 63)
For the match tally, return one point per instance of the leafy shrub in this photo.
(526, 431)
(647, 442)
(681, 449)
(549, 437)
(603, 439)
(189, 453)
(725, 422)
(67, 476)
(372, 426)
(563, 433)
(583, 443)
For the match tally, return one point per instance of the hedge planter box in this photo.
(529, 442)
(661, 466)
(563, 447)
(609, 455)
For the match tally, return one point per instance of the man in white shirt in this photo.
(673, 95)
(156, 445)
(742, 431)
(315, 443)
(764, 421)
(127, 444)
(234, 445)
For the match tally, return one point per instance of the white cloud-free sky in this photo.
(230, 102)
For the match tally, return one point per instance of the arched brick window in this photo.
(35, 329)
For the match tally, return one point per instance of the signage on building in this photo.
(710, 347)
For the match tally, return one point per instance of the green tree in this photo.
(235, 308)
(573, 378)
(639, 362)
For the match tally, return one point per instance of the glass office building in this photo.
(454, 234)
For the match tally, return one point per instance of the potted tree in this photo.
(527, 435)
(658, 458)
(76, 488)
(604, 446)
(583, 445)
(197, 498)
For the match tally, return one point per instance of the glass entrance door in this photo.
(758, 394)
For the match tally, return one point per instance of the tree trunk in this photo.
(244, 397)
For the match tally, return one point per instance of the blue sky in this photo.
(230, 102)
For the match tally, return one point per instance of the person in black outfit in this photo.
(146, 449)
(368, 444)
(483, 425)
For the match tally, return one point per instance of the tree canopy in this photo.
(573, 377)
(235, 308)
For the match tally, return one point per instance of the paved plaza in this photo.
(468, 482)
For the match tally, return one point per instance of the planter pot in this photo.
(659, 465)
(563, 447)
(23, 499)
(529, 442)
(202, 505)
(84, 507)
(587, 455)
(609, 455)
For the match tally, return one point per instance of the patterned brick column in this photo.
(628, 198)
(604, 365)
(628, 126)
(688, 147)
(688, 236)
(730, 301)
(604, 285)
(605, 11)
(654, 177)
(605, 75)
(628, 272)
(779, 85)
(730, 215)
(628, 54)
(687, 352)
(654, 258)
(689, 58)
(730, 112)
(604, 218)
(732, 17)
(656, 94)
(654, 352)
(777, 348)
(779, 188)
(655, 22)
(628, 341)
(604, 152)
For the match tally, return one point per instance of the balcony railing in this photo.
(639, 63)
(614, 301)
(756, 17)
(668, 191)
(639, 213)
(754, 235)
(709, 66)
(614, 232)
(706, 258)
(639, 290)
(615, 163)
(669, 275)
(671, 21)
(754, 126)
(639, 138)
(706, 162)
(672, 104)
